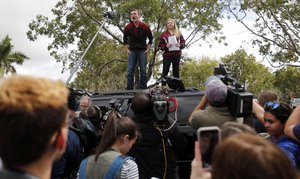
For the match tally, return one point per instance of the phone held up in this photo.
(208, 138)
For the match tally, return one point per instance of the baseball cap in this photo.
(216, 92)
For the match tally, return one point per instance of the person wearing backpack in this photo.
(110, 161)
(67, 165)
(82, 138)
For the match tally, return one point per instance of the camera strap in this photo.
(156, 126)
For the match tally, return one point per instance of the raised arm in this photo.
(258, 111)
(291, 123)
(200, 106)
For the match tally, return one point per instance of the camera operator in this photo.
(217, 111)
(156, 150)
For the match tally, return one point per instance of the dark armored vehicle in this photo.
(187, 99)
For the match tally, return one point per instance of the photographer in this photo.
(156, 149)
(217, 112)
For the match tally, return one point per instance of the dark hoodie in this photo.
(148, 150)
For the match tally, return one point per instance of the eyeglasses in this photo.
(272, 105)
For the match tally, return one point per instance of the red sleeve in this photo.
(147, 29)
(162, 45)
(182, 42)
(126, 35)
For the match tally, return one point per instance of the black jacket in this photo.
(149, 153)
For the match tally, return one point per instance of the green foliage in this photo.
(1, 72)
(103, 70)
(255, 76)
(276, 26)
(287, 81)
(75, 23)
(8, 57)
(194, 73)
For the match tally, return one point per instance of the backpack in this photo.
(113, 170)
(87, 135)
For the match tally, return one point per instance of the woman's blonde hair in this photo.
(177, 33)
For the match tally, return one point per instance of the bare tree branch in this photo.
(285, 31)
(281, 45)
(107, 63)
(99, 23)
(252, 31)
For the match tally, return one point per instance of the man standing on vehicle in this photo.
(135, 36)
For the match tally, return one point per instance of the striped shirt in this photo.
(129, 170)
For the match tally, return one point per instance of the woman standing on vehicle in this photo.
(171, 42)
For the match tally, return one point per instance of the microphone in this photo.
(110, 14)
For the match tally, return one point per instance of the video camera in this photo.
(160, 104)
(239, 100)
(113, 104)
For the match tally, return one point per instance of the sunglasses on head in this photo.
(272, 105)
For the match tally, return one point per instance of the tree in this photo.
(75, 23)
(7, 57)
(104, 75)
(254, 76)
(286, 80)
(194, 73)
(276, 27)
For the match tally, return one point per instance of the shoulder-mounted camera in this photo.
(239, 100)
(160, 104)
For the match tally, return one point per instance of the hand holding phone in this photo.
(208, 138)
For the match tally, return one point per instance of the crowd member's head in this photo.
(95, 116)
(216, 93)
(141, 104)
(120, 132)
(85, 102)
(230, 128)
(33, 126)
(275, 116)
(83, 113)
(248, 157)
(267, 96)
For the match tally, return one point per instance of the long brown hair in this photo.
(247, 156)
(115, 127)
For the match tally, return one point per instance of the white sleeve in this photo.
(129, 170)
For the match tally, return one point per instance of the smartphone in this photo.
(208, 138)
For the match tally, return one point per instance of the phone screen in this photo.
(208, 137)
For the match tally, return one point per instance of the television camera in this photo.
(113, 104)
(239, 100)
(160, 104)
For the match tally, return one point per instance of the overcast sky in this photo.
(15, 16)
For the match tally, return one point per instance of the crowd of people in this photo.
(41, 137)
(267, 148)
(45, 134)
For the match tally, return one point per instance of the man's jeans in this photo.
(133, 57)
